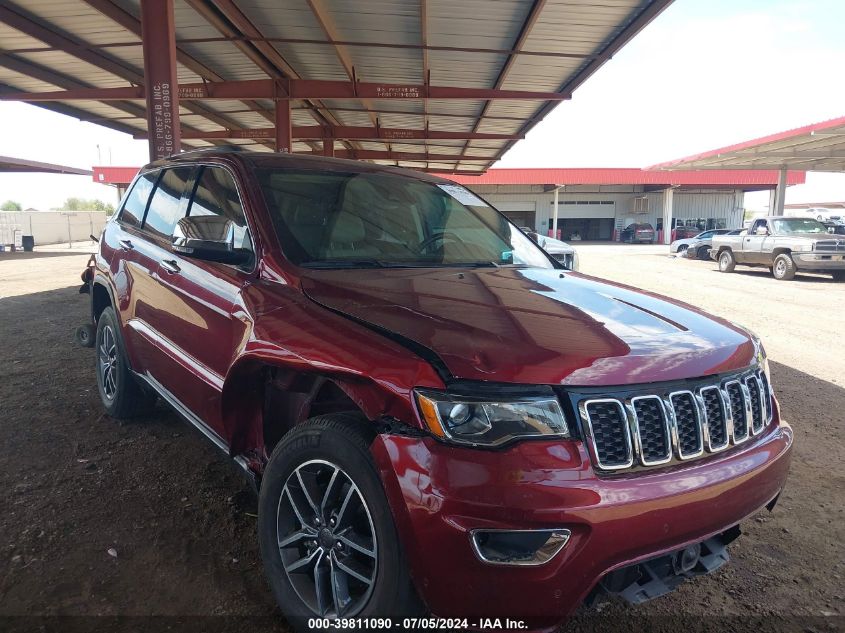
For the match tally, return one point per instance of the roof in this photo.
(8, 164)
(517, 45)
(815, 147)
(564, 176)
(627, 176)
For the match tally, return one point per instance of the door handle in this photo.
(126, 245)
(170, 265)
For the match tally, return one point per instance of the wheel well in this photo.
(780, 251)
(289, 398)
(722, 249)
(100, 300)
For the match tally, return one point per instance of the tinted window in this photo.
(216, 194)
(136, 201)
(164, 211)
(340, 219)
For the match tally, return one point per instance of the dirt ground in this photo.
(148, 527)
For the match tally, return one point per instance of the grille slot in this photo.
(655, 442)
(739, 415)
(715, 418)
(755, 388)
(688, 423)
(767, 396)
(609, 432)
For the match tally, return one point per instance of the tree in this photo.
(82, 204)
(11, 205)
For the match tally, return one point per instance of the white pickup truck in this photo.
(783, 245)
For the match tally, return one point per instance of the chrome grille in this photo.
(655, 428)
(715, 418)
(830, 246)
(655, 441)
(609, 431)
(688, 424)
(739, 415)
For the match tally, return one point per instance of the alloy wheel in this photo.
(107, 357)
(327, 540)
(780, 268)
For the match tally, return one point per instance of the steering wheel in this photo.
(440, 236)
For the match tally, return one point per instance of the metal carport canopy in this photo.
(22, 165)
(427, 84)
(815, 147)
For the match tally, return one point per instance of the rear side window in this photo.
(166, 205)
(136, 202)
(217, 194)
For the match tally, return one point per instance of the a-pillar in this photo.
(284, 142)
(668, 198)
(158, 34)
(780, 195)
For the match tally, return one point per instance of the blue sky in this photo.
(705, 74)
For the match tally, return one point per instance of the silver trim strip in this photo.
(557, 540)
(715, 448)
(745, 405)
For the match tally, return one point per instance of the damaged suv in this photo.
(440, 418)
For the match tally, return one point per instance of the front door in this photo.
(752, 245)
(198, 318)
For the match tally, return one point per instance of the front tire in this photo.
(327, 537)
(682, 250)
(727, 262)
(120, 393)
(784, 267)
(703, 253)
(838, 275)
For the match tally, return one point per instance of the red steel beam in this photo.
(282, 131)
(294, 89)
(369, 154)
(158, 33)
(320, 132)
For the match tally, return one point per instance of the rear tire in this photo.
(120, 392)
(321, 488)
(784, 267)
(838, 275)
(85, 335)
(727, 262)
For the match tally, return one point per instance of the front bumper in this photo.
(438, 493)
(819, 261)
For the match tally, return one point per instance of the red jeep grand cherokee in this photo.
(439, 418)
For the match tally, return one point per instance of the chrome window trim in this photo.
(558, 536)
(715, 448)
(639, 440)
(699, 417)
(745, 405)
(585, 415)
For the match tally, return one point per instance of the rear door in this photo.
(198, 323)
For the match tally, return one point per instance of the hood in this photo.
(536, 326)
(555, 247)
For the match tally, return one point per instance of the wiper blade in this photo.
(343, 263)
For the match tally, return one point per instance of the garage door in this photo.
(586, 219)
(587, 209)
(520, 213)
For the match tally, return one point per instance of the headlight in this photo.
(482, 422)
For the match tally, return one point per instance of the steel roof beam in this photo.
(282, 89)
(339, 132)
(364, 154)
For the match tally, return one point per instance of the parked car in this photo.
(561, 251)
(638, 233)
(835, 227)
(685, 232)
(785, 245)
(682, 244)
(439, 417)
(700, 248)
(822, 214)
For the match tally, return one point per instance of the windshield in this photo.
(355, 220)
(798, 225)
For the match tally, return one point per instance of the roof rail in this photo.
(213, 148)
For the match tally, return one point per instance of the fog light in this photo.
(518, 547)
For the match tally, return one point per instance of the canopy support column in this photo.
(668, 199)
(780, 194)
(158, 33)
(328, 147)
(554, 212)
(284, 132)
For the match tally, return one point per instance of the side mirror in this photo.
(210, 238)
(762, 230)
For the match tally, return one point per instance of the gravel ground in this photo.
(148, 527)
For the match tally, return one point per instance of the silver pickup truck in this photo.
(783, 245)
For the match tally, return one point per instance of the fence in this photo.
(52, 227)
